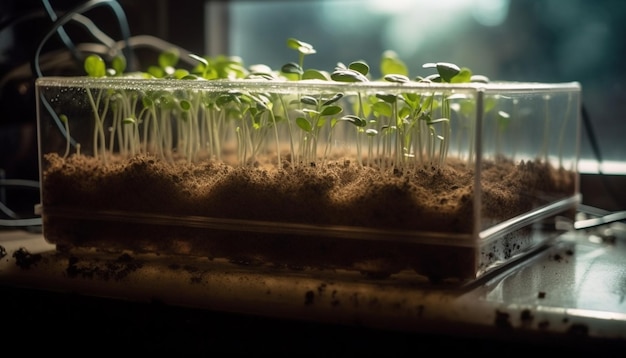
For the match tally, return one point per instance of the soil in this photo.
(339, 193)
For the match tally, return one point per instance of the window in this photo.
(517, 40)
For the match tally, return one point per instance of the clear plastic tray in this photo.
(443, 181)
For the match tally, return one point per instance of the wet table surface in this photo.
(573, 290)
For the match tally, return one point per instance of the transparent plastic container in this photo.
(437, 181)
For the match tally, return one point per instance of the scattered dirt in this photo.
(25, 260)
(541, 295)
(526, 316)
(503, 320)
(115, 269)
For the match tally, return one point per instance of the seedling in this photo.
(66, 124)
(401, 129)
(317, 113)
(95, 67)
(198, 119)
(357, 71)
(296, 69)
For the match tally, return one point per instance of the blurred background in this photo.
(517, 40)
(513, 40)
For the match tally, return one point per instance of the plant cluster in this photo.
(395, 129)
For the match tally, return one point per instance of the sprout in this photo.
(66, 124)
(401, 129)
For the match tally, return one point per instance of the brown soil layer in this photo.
(339, 193)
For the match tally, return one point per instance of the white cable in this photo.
(20, 222)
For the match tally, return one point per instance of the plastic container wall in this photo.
(359, 151)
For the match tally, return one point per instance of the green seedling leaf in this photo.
(390, 64)
(404, 112)
(128, 120)
(360, 67)
(258, 119)
(371, 132)
(156, 71)
(348, 75)
(169, 58)
(387, 128)
(479, 79)
(181, 73)
(309, 100)
(432, 78)
(300, 46)
(395, 78)
(389, 98)
(166, 101)
(262, 106)
(63, 118)
(425, 117)
(147, 101)
(292, 68)
(293, 43)
(263, 76)
(445, 70)
(185, 105)
(223, 67)
(243, 98)
(262, 101)
(304, 124)
(265, 98)
(234, 113)
(260, 71)
(119, 64)
(311, 112)
(340, 66)
(411, 98)
(333, 99)
(331, 110)
(95, 66)
(226, 98)
(356, 120)
(315, 75)
(260, 68)
(428, 102)
(464, 76)
(382, 108)
(189, 77)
